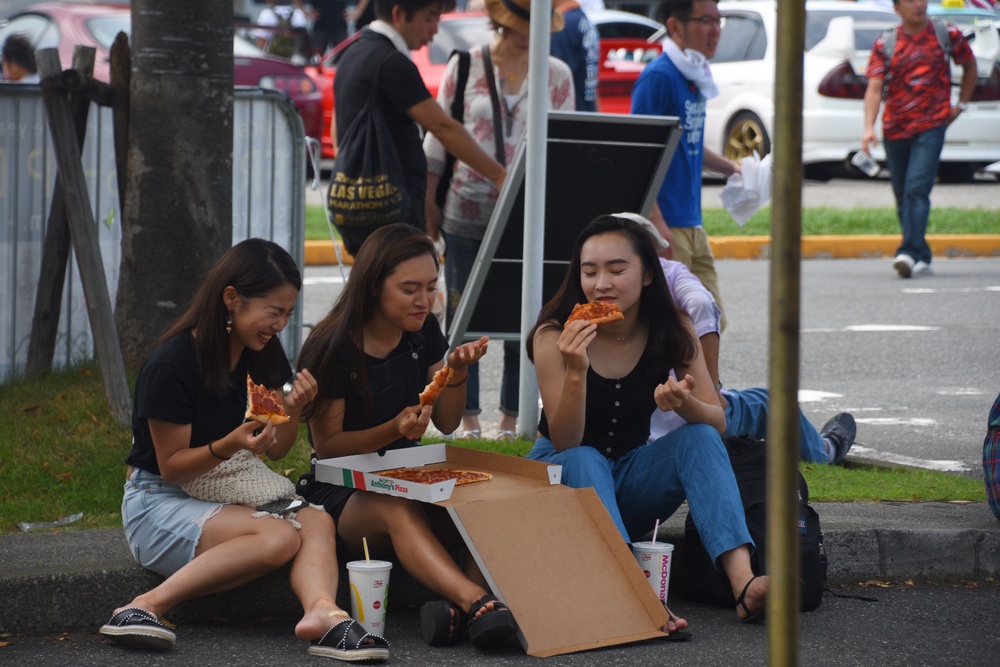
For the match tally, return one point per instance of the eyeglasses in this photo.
(706, 20)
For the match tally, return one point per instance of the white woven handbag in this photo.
(242, 479)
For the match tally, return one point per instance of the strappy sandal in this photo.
(751, 617)
(504, 435)
(441, 623)
(676, 635)
(347, 641)
(492, 627)
(471, 434)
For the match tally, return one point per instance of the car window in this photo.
(743, 38)
(38, 29)
(867, 26)
(624, 30)
(105, 28)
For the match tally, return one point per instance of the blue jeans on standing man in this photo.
(460, 255)
(651, 481)
(913, 165)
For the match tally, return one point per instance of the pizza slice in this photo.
(597, 312)
(264, 404)
(436, 475)
(436, 385)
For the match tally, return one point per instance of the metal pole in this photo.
(783, 422)
(534, 206)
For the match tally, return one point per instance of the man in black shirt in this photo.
(402, 26)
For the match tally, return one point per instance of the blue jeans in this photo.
(746, 414)
(651, 482)
(913, 165)
(460, 255)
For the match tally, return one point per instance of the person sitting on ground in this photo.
(372, 355)
(746, 409)
(18, 60)
(599, 384)
(188, 417)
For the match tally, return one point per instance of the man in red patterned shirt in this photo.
(917, 111)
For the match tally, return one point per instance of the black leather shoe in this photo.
(840, 432)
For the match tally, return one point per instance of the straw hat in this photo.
(516, 13)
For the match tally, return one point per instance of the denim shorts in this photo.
(163, 524)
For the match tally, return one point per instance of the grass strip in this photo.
(61, 453)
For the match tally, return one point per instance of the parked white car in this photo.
(838, 42)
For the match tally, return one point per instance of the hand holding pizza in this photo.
(573, 342)
(304, 390)
(413, 421)
(673, 394)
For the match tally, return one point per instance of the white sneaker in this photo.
(903, 265)
(922, 268)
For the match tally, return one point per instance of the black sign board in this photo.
(595, 163)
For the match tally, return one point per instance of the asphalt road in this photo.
(904, 625)
(914, 360)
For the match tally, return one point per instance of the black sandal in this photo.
(347, 641)
(492, 627)
(751, 617)
(441, 623)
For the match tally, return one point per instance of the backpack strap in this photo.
(458, 113)
(495, 100)
(889, 44)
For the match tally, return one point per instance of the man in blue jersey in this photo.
(679, 83)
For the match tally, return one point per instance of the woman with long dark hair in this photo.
(372, 356)
(188, 417)
(600, 384)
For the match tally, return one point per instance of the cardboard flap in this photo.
(557, 560)
(410, 457)
(514, 465)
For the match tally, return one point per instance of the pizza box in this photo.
(361, 471)
(550, 552)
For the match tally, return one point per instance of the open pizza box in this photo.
(550, 552)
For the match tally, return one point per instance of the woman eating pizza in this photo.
(373, 355)
(599, 385)
(187, 418)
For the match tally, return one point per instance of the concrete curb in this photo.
(320, 253)
(72, 581)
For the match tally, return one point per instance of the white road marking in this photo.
(961, 391)
(953, 290)
(897, 421)
(889, 327)
(323, 280)
(813, 396)
(899, 459)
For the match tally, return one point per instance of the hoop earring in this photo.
(229, 324)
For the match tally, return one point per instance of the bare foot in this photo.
(141, 603)
(319, 619)
(674, 624)
(753, 598)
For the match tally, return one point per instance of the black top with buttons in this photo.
(617, 411)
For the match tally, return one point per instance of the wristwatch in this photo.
(962, 106)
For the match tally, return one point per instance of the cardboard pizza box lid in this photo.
(558, 561)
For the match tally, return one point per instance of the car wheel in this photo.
(744, 135)
(957, 172)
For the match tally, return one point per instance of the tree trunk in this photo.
(178, 206)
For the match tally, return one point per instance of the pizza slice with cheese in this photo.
(264, 404)
(597, 312)
(436, 385)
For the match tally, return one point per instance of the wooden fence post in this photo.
(82, 226)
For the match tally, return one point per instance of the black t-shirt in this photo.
(399, 89)
(169, 388)
(331, 13)
(394, 382)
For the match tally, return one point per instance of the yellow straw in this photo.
(364, 541)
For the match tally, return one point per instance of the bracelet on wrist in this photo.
(216, 454)
(459, 383)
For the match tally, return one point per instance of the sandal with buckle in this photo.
(348, 641)
(137, 628)
(441, 623)
(471, 434)
(751, 617)
(492, 627)
(505, 436)
(676, 635)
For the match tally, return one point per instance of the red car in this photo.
(64, 25)
(624, 52)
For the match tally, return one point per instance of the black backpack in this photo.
(697, 579)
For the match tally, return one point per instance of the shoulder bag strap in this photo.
(495, 100)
